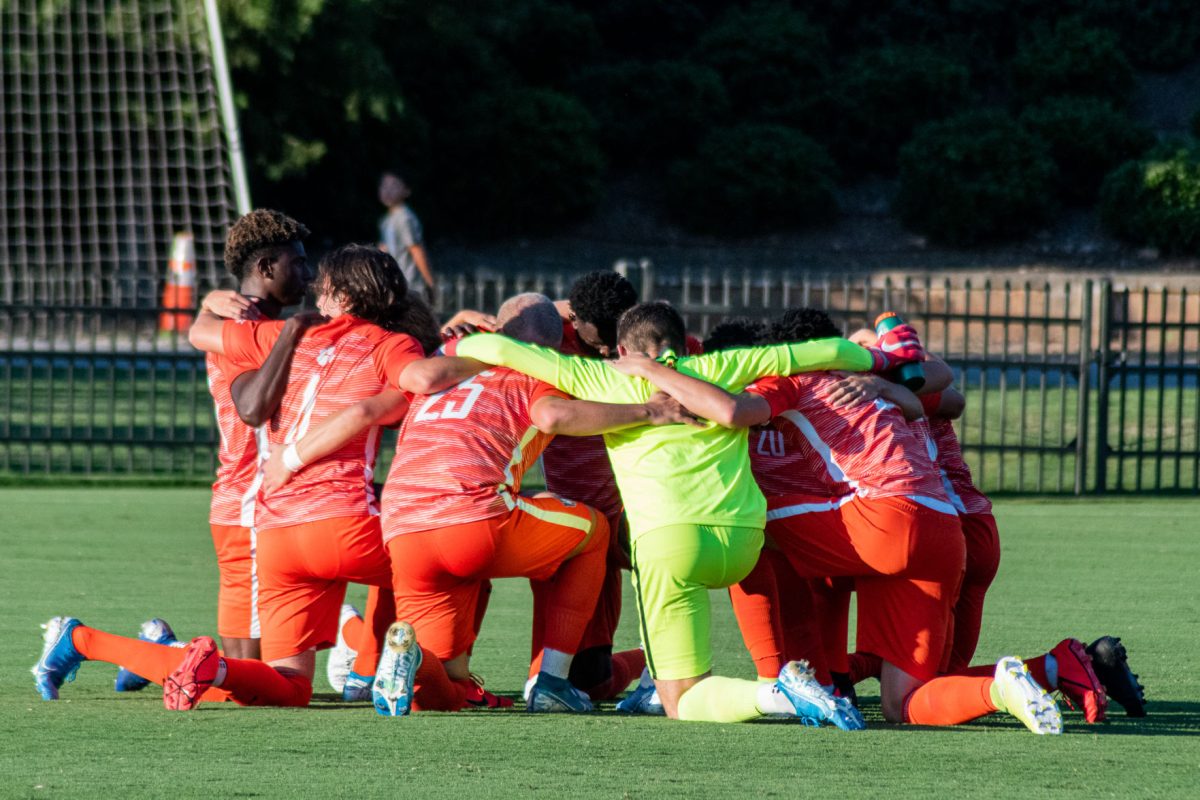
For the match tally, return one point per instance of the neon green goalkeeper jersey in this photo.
(674, 474)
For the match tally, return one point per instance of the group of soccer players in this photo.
(776, 461)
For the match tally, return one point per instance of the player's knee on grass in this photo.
(895, 685)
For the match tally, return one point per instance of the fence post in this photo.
(1102, 349)
(648, 294)
(1085, 363)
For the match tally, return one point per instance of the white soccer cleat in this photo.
(1024, 699)
(392, 693)
(341, 657)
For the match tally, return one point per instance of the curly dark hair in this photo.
(735, 332)
(601, 298)
(260, 233)
(653, 326)
(800, 325)
(371, 284)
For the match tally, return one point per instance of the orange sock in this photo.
(627, 665)
(432, 688)
(154, 662)
(864, 665)
(831, 604)
(755, 602)
(570, 595)
(253, 683)
(949, 700)
(378, 616)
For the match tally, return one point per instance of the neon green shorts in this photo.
(673, 569)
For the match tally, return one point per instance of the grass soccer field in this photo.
(114, 557)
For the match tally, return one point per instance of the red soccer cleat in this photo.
(184, 687)
(1077, 680)
(478, 697)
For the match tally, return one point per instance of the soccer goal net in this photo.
(112, 142)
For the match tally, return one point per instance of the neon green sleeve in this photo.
(735, 369)
(584, 378)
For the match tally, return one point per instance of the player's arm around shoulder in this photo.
(702, 398)
(386, 408)
(584, 378)
(567, 417)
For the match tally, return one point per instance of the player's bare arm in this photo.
(705, 400)
(951, 405)
(586, 418)
(852, 388)
(432, 375)
(256, 393)
(386, 408)
(938, 375)
(466, 322)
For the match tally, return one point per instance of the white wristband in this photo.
(291, 458)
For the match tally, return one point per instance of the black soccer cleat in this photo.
(1111, 663)
(844, 687)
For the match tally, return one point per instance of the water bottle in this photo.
(912, 375)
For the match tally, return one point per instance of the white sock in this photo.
(772, 701)
(217, 681)
(1052, 672)
(646, 679)
(556, 663)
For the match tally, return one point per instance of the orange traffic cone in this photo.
(180, 291)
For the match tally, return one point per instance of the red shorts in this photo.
(303, 571)
(907, 561)
(437, 573)
(237, 597)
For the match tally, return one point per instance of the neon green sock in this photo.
(718, 699)
(997, 698)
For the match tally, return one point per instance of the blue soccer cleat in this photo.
(357, 688)
(642, 700)
(553, 694)
(812, 702)
(60, 660)
(392, 693)
(155, 631)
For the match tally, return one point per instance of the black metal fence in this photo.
(1072, 386)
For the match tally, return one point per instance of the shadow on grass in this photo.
(1165, 718)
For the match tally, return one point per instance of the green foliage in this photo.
(775, 63)
(649, 111)
(545, 41)
(884, 93)
(1071, 59)
(521, 161)
(1155, 34)
(1087, 138)
(1156, 200)
(974, 177)
(754, 178)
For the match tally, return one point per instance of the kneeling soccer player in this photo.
(313, 538)
(695, 515)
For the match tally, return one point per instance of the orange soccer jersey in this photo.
(231, 513)
(334, 366)
(869, 447)
(463, 452)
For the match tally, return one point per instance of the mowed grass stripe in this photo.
(117, 556)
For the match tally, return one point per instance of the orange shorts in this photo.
(303, 571)
(237, 601)
(907, 561)
(437, 573)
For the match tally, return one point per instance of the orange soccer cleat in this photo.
(184, 687)
(1077, 680)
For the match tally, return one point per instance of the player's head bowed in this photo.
(366, 282)
(598, 300)
(801, 325)
(262, 233)
(531, 317)
(653, 329)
